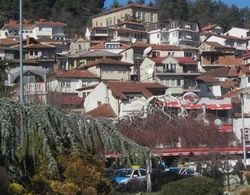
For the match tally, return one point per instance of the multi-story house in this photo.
(128, 31)
(40, 28)
(137, 12)
(240, 33)
(177, 73)
(213, 54)
(212, 29)
(240, 44)
(123, 97)
(109, 69)
(99, 34)
(174, 32)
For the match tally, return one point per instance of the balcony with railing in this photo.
(35, 89)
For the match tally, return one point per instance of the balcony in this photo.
(35, 89)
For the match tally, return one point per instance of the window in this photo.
(210, 88)
(158, 35)
(248, 79)
(178, 82)
(143, 172)
(36, 53)
(67, 84)
(84, 84)
(151, 17)
(31, 53)
(99, 104)
(28, 79)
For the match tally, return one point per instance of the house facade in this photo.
(139, 12)
(177, 73)
(174, 33)
(125, 98)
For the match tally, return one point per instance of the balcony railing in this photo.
(34, 88)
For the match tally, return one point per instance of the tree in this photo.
(115, 4)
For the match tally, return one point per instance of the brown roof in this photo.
(207, 79)
(44, 22)
(105, 61)
(8, 42)
(124, 7)
(165, 47)
(38, 46)
(245, 68)
(157, 60)
(103, 111)
(185, 60)
(14, 24)
(228, 37)
(218, 46)
(232, 93)
(119, 88)
(121, 30)
(77, 74)
(208, 27)
(86, 88)
(140, 44)
(228, 84)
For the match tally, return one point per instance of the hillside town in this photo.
(128, 58)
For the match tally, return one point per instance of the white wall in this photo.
(146, 65)
(216, 39)
(237, 32)
(237, 126)
(155, 37)
(98, 94)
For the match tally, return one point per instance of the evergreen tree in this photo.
(115, 4)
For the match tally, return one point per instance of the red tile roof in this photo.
(44, 22)
(246, 55)
(157, 60)
(209, 27)
(165, 47)
(228, 37)
(245, 68)
(218, 46)
(119, 89)
(124, 30)
(102, 46)
(185, 60)
(8, 42)
(105, 61)
(77, 74)
(103, 111)
(207, 79)
(38, 46)
(69, 100)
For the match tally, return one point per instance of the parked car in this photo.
(187, 171)
(128, 179)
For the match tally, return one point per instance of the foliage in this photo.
(247, 175)
(16, 188)
(204, 12)
(5, 180)
(157, 129)
(245, 191)
(61, 10)
(34, 139)
(192, 185)
(160, 178)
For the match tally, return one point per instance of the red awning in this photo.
(172, 104)
(192, 106)
(226, 128)
(219, 106)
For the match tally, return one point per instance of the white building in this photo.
(125, 98)
(174, 33)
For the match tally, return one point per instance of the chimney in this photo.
(27, 40)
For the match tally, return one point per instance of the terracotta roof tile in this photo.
(103, 111)
(185, 60)
(231, 93)
(76, 74)
(8, 42)
(119, 89)
(228, 37)
(208, 27)
(218, 46)
(228, 84)
(121, 30)
(38, 46)
(105, 61)
(245, 68)
(207, 79)
(165, 47)
(157, 60)
(44, 22)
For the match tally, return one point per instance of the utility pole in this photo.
(21, 49)
(149, 171)
(243, 128)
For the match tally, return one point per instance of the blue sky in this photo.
(239, 3)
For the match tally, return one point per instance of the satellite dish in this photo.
(150, 71)
(217, 122)
(133, 40)
(147, 50)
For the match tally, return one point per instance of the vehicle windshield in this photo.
(123, 173)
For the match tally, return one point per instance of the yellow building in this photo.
(138, 12)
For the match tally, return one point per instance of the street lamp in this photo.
(21, 49)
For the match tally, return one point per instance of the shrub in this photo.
(247, 175)
(160, 178)
(5, 180)
(245, 191)
(16, 188)
(192, 185)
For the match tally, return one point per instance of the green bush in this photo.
(160, 178)
(192, 186)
